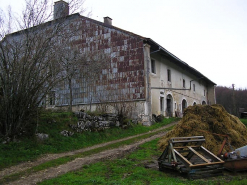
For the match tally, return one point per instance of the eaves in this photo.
(155, 47)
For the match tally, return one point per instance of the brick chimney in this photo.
(108, 21)
(61, 9)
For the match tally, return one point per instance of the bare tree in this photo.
(231, 99)
(29, 66)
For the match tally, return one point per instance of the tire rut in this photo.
(78, 162)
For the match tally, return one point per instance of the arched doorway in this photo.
(203, 102)
(194, 103)
(169, 105)
(184, 105)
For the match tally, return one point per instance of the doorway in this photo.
(169, 107)
(184, 105)
(162, 105)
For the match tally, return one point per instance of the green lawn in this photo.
(244, 121)
(52, 123)
(131, 170)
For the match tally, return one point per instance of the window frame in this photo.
(153, 66)
(52, 98)
(183, 83)
(169, 75)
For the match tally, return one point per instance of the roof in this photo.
(156, 47)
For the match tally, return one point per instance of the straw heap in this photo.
(204, 120)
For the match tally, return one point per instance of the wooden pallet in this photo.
(187, 155)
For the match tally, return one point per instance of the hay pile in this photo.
(203, 120)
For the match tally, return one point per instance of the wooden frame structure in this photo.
(187, 155)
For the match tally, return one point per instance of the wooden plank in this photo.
(192, 137)
(211, 154)
(206, 164)
(181, 147)
(173, 154)
(182, 157)
(199, 155)
(188, 141)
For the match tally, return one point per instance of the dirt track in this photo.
(77, 163)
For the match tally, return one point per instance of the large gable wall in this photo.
(122, 79)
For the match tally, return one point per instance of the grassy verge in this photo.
(51, 123)
(132, 170)
(63, 160)
(244, 121)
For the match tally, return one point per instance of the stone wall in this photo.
(88, 122)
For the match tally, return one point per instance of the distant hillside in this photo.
(231, 99)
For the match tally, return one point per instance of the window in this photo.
(169, 75)
(51, 98)
(194, 87)
(204, 92)
(161, 104)
(153, 70)
(183, 83)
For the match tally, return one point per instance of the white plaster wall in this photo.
(177, 75)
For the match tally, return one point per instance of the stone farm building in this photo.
(140, 74)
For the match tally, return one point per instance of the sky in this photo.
(209, 35)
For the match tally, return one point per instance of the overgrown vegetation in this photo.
(133, 170)
(52, 123)
(29, 64)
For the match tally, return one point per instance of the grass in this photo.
(52, 123)
(63, 160)
(131, 170)
(244, 121)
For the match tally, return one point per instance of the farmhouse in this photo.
(137, 76)
(140, 74)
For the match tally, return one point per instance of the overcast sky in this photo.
(209, 35)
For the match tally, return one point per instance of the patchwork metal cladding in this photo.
(123, 77)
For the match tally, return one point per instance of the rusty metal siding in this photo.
(121, 80)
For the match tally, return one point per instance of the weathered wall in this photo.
(211, 95)
(121, 80)
(160, 79)
(123, 77)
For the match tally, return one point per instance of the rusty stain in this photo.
(124, 77)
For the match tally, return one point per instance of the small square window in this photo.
(153, 69)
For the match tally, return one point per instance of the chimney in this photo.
(61, 9)
(108, 21)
